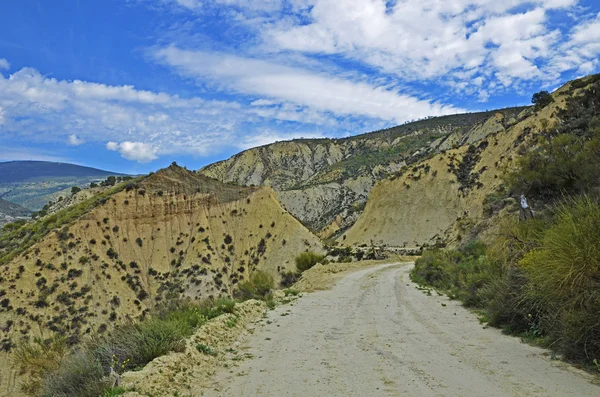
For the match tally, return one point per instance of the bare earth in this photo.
(375, 334)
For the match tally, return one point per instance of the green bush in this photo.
(306, 260)
(564, 278)
(565, 164)
(461, 274)
(257, 287)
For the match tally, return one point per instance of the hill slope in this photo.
(173, 233)
(33, 184)
(325, 182)
(450, 196)
(10, 211)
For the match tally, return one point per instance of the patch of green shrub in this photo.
(563, 275)
(258, 286)
(306, 260)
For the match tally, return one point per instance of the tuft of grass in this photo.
(306, 260)
(114, 392)
(258, 286)
(563, 275)
(291, 292)
(205, 349)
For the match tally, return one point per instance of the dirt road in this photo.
(375, 334)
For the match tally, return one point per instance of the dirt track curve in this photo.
(375, 334)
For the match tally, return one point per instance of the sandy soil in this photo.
(376, 334)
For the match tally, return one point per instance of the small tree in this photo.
(75, 190)
(541, 99)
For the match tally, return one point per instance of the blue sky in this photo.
(132, 85)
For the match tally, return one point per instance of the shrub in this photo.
(288, 279)
(79, 375)
(564, 278)
(306, 260)
(37, 359)
(257, 287)
(565, 164)
(128, 346)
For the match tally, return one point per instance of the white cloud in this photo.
(37, 109)
(191, 4)
(74, 140)
(317, 91)
(137, 151)
(505, 42)
(4, 64)
(253, 5)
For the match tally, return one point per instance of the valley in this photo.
(166, 253)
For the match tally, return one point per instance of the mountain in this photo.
(10, 212)
(325, 182)
(115, 255)
(33, 184)
(23, 171)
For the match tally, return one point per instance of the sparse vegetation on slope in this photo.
(18, 240)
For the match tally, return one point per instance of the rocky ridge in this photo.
(325, 182)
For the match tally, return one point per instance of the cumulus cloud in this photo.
(4, 64)
(317, 91)
(137, 151)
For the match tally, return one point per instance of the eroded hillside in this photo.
(454, 194)
(173, 233)
(325, 182)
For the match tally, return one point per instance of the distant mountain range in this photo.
(24, 171)
(32, 184)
